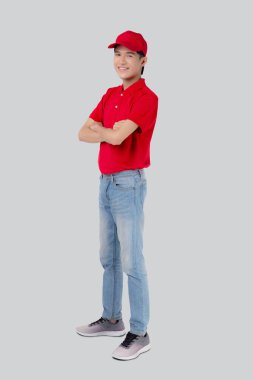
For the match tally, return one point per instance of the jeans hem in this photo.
(109, 318)
(137, 332)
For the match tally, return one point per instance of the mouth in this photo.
(122, 68)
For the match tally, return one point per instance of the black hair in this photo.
(140, 53)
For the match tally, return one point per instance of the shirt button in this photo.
(116, 106)
(121, 94)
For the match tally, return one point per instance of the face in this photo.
(127, 63)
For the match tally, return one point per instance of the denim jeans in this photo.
(121, 222)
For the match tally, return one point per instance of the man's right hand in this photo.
(86, 134)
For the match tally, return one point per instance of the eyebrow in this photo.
(118, 51)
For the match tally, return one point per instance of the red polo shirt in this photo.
(139, 104)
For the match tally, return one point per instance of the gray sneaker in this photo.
(102, 327)
(132, 347)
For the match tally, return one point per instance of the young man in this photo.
(123, 124)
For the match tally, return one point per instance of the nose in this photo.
(122, 60)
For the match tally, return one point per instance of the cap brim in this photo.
(122, 43)
(112, 45)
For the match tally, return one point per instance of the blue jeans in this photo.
(121, 222)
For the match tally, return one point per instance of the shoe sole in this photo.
(144, 349)
(103, 333)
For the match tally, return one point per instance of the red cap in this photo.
(131, 40)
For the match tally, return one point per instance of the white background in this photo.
(55, 66)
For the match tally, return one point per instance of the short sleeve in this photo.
(98, 112)
(144, 112)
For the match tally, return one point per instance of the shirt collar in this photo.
(140, 83)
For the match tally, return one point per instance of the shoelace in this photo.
(129, 339)
(100, 320)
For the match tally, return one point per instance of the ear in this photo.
(144, 60)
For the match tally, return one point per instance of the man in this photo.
(123, 124)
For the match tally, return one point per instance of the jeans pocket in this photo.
(124, 183)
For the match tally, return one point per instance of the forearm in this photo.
(108, 135)
(117, 134)
(90, 136)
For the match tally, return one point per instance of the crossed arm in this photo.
(94, 132)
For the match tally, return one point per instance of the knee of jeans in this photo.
(127, 263)
(134, 267)
(126, 268)
(134, 270)
(106, 261)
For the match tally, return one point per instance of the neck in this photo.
(129, 82)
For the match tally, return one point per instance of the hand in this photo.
(118, 124)
(95, 127)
